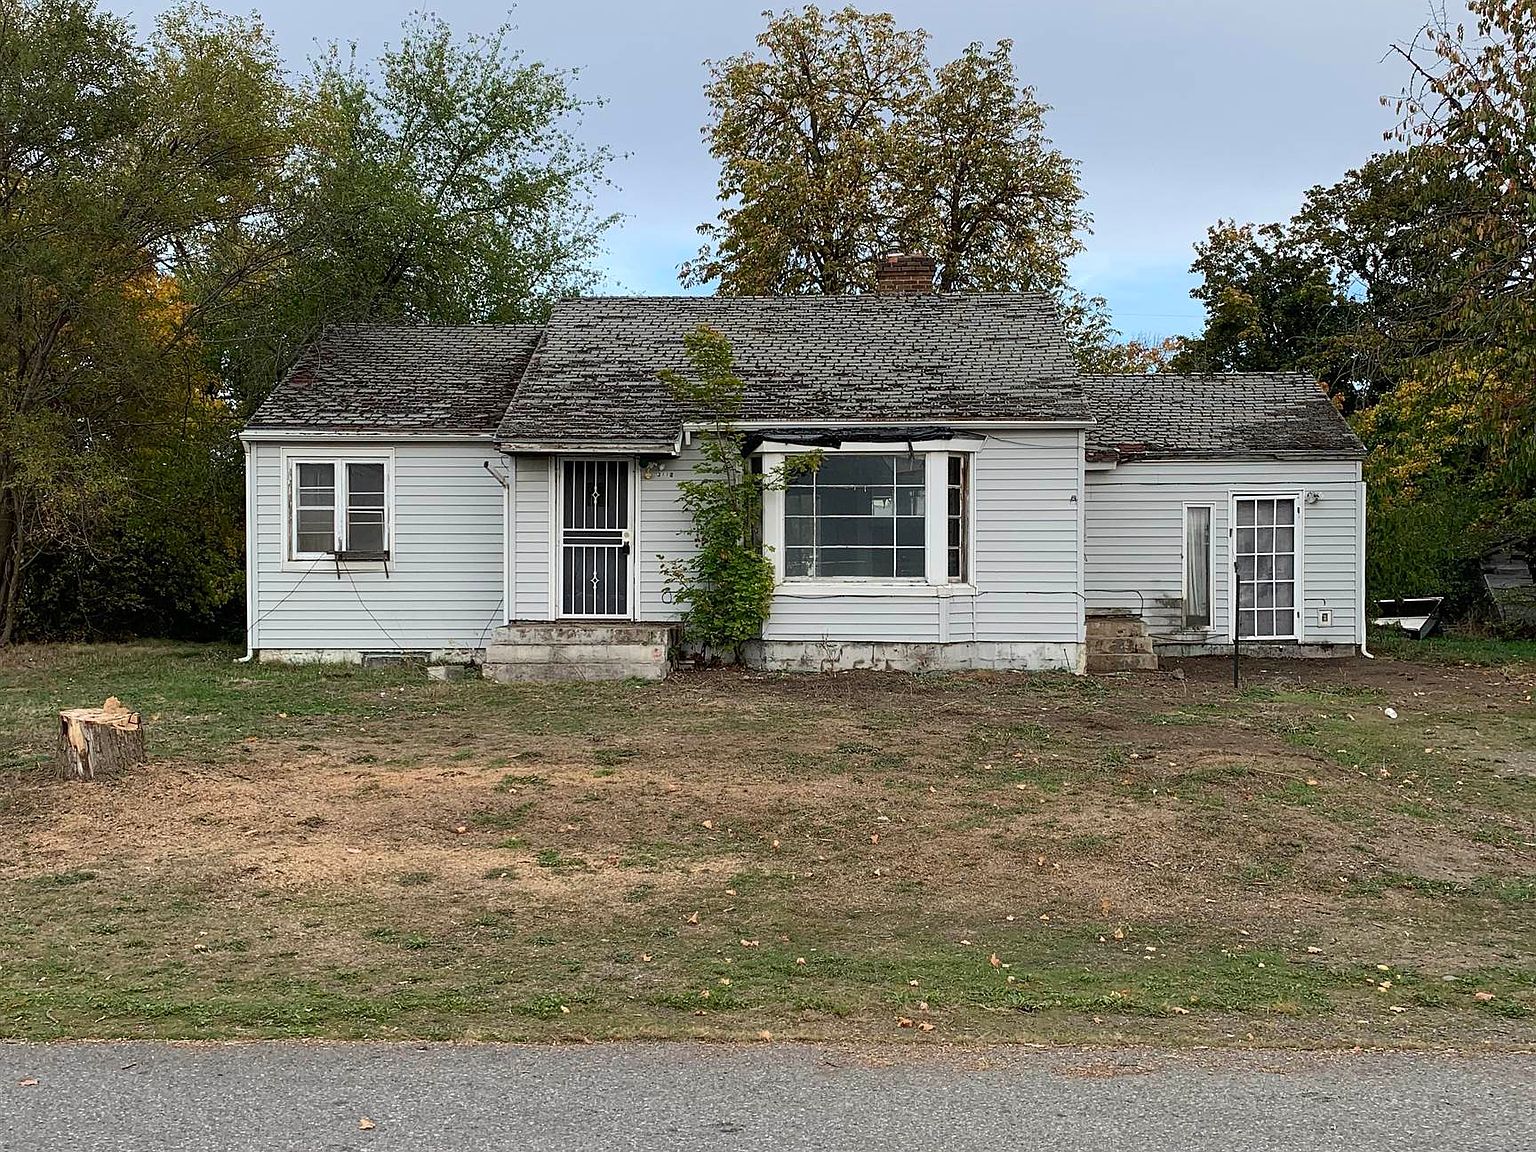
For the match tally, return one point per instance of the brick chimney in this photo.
(900, 273)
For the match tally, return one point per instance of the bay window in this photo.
(896, 517)
(338, 506)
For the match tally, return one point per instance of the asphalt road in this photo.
(685, 1097)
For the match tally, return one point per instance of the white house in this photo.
(511, 492)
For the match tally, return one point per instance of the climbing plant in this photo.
(726, 586)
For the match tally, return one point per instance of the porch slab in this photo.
(532, 651)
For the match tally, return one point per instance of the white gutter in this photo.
(250, 560)
(770, 425)
(288, 435)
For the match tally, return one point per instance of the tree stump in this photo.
(99, 741)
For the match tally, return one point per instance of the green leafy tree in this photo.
(118, 160)
(445, 185)
(726, 586)
(838, 142)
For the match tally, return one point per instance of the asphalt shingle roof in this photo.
(926, 358)
(380, 377)
(1164, 416)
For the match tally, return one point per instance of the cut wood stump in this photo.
(96, 742)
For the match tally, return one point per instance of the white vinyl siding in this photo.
(1133, 539)
(443, 585)
(1023, 554)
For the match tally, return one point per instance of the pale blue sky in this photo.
(1180, 111)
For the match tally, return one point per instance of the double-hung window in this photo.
(338, 506)
(865, 516)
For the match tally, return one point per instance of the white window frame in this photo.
(935, 580)
(1210, 507)
(291, 459)
(1298, 624)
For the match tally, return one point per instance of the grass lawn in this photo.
(329, 852)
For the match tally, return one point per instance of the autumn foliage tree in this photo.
(838, 141)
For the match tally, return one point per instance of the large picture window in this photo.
(872, 516)
(338, 506)
(857, 517)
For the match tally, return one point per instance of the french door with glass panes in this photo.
(1265, 546)
(594, 501)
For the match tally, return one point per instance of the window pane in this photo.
(1245, 569)
(855, 531)
(1285, 567)
(909, 561)
(1245, 595)
(910, 532)
(1245, 541)
(912, 470)
(797, 561)
(365, 485)
(1264, 595)
(317, 476)
(800, 498)
(1285, 540)
(1245, 623)
(365, 532)
(1266, 540)
(314, 530)
(854, 501)
(856, 469)
(1265, 569)
(799, 531)
(955, 570)
(858, 562)
(909, 501)
(1285, 512)
(1284, 595)
(1266, 512)
(1244, 512)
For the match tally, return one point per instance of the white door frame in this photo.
(557, 532)
(1298, 621)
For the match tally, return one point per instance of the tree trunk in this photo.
(10, 557)
(95, 742)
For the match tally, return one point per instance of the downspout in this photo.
(250, 559)
(1360, 563)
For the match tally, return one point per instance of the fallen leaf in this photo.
(749, 943)
(460, 829)
(692, 919)
(1314, 950)
(1483, 996)
(365, 1125)
(645, 957)
(799, 959)
(765, 1035)
(1391, 713)
(925, 1027)
(903, 1022)
(911, 983)
(994, 961)
(710, 824)
(31, 1082)
(874, 837)
(564, 1011)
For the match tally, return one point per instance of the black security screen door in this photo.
(594, 538)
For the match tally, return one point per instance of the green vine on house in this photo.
(726, 586)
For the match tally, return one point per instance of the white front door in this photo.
(594, 569)
(1266, 572)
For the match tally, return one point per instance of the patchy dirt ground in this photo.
(1340, 852)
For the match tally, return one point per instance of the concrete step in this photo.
(576, 654)
(1122, 662)
(1115, 645)
(576, 632)
(1114, 627)
(533, 672)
